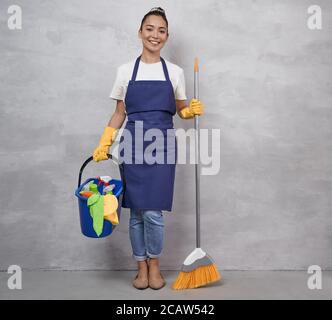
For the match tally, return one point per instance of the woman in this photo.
(150, 91)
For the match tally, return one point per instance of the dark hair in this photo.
(157, 11)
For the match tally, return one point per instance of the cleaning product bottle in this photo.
(86, 187)
(104, 180)
(87, 193)
(93, 188)
(109, 188)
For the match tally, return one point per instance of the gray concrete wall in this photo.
(266, 83)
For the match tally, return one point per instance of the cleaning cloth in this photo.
(110, 206)
(96, 206)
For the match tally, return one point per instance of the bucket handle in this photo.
(109, 157)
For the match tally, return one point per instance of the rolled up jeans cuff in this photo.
(139, 258)
(153, 255)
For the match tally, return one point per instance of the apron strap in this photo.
(165, 69)
(133, 77)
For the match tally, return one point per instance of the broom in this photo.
(198, 269)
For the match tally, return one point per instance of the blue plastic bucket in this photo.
(85, 217)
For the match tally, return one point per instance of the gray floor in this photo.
(117, 285)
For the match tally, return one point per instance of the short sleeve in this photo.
(180, 90)
(118, 90)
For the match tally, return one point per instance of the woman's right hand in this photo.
(106, 140)
(100, 153)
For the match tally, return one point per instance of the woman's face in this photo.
(154, 33)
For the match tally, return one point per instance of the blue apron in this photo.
(149, 105)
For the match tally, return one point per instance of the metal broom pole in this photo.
(197, 154)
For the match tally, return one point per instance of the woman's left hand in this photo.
(196, 107)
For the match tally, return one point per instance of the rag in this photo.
(96, 206)
(110, 206)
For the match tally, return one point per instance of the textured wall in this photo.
(266, 83)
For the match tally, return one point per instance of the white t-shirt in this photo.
(148, 71)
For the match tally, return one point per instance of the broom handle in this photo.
(197, 153)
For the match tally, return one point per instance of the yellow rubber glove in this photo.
(195, 107)
(106, 140)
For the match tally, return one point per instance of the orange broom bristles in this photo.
(197, 278)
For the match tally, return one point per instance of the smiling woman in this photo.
(154, 30)
(149, 90)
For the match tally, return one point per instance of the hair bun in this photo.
(159, 9)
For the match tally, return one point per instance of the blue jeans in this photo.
(146, 231)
